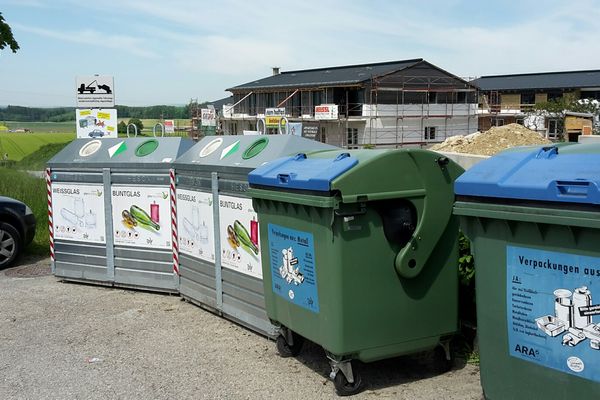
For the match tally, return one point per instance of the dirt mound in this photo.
(493, 141)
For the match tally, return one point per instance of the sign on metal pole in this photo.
(209, 117)
(95, 91)
(169, 126)
(326, 111)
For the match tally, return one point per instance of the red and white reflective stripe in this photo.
(50, 219)
(174, 236)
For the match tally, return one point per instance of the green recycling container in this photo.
(533, 217)
(359, 254)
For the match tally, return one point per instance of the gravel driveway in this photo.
(73, 341)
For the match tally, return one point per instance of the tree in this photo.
(138, 123)
(6, 36)
(558, 108)
(122, 127)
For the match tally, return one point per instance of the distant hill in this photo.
(62, 114)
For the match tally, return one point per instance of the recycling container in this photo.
(359, 252)
(219, 258)
(533, 217)
(110, 212)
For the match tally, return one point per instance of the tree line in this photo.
(62, 114)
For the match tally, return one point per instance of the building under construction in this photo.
(390, 104)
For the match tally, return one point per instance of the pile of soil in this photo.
(493, 141)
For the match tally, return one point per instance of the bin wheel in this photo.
(286, 350)
(441, 363)
(345, 388)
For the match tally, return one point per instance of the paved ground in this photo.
(72, 341)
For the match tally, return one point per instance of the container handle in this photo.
(547, 152)
(300, 156)
(341, 156)
(283, 178)
(573, 188)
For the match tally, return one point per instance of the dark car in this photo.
(17, 228)
(96, 133)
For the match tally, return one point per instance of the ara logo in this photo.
(526, 350)
(229, 150)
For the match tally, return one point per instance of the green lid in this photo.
(255, 148)
(146, 148)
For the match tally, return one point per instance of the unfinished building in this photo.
(390, 104)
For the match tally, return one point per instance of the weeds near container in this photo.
(31, 191)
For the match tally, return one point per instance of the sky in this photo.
(170, 51)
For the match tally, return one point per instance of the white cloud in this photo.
(124, 43)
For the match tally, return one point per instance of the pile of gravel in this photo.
(493, 141)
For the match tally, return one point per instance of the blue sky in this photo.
(166, 52)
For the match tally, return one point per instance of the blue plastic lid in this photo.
(565, 174)
(300, 172)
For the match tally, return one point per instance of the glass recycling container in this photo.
(359, 253)
(111, 212)
(219, 247)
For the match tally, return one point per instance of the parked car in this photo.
(96, 133)
(17, 228)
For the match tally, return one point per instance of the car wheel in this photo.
(10, 244)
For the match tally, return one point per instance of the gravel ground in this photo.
(73, 341)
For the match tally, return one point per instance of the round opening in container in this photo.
(255, 148)
(146, 148)
(211, 147)
(90, 148)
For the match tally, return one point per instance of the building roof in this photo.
(329, 76)
(544, 80)
(218, 104)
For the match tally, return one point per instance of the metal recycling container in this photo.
(359, 252)
(219, 270)
(533, 217)
(111, 211)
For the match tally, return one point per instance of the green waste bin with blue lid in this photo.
(359, 254)
(533, 218)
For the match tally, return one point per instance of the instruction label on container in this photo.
(292, 261)
(240, 242)
(553, 310)
(78, 212)
(141, 216)
(196, 224)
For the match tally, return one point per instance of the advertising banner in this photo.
(275, 112)
(78, 212)
(553, 312)
(240, 244)
(98, 124)
(169, 126)
(326, 111)
(196, 224)
(208, 117)
(141, 216)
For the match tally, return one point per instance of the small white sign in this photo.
(209, 117)
(326, 111)
(275, 112)
(95, 91)
(97, 124)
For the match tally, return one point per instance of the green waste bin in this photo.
(533, 218)
(359, 254)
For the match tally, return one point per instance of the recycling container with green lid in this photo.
(359, 252)
(533, 217)
(111, 212)
(218, 252)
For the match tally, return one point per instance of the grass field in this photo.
(20, 145)
(31, 191)
(43, 127)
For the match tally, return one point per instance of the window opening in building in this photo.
(552, 127)
(352, 134)
(528, 98)
(497, 121)
(520, 121)
(429, 133)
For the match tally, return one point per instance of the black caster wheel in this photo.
(441, 364)
(345, 388)
(286, 350)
